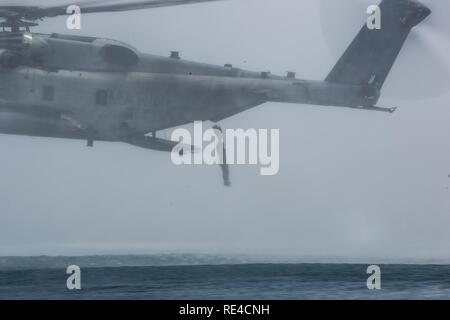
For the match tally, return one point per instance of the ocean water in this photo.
(187, 277)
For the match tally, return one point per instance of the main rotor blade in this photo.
(118, 7)
(37, 12)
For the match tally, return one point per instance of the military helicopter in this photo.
(70, 86)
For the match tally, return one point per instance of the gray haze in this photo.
(351, 183)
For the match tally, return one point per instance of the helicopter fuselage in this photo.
(59, 85)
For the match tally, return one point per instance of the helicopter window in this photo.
(101, 97)
(48, 93)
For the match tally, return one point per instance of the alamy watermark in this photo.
(74, 280)
(73, 22)
(374, 280)
(251, 147)
(373, 17)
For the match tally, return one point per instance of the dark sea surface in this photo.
(210, 277)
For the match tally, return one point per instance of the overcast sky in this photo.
(351, 183)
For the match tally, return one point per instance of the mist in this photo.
(353, 184)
